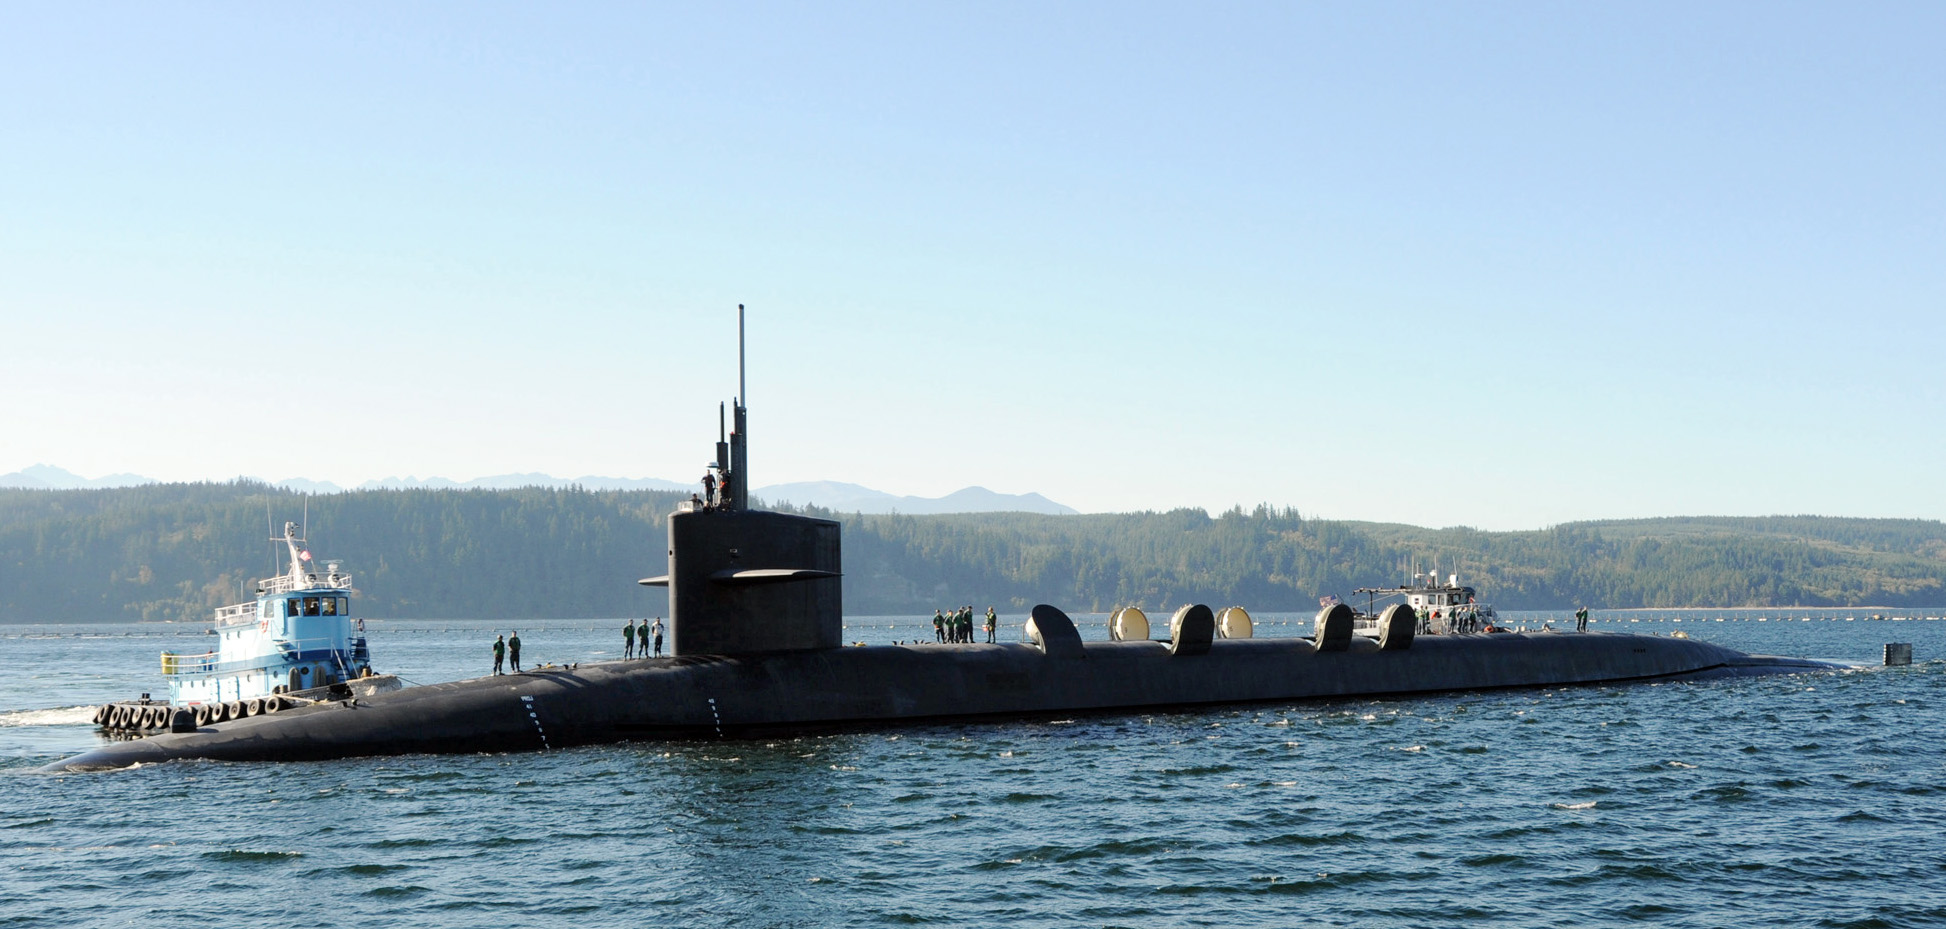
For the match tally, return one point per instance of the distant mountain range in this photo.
(832, 495)
(48, 477)
(851, 498)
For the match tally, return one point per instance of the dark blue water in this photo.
(1814, 800)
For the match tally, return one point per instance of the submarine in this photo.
(756, 625)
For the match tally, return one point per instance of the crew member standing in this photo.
(709, 488)
(658, 636)
(1581, 620)
(628, 639)
(513, 650)
(499, 653)
(993, 622)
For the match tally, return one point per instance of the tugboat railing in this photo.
(285, 583)
(282, 584)
(236, 615)
(289, 652)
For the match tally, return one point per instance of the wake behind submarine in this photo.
(756, 623)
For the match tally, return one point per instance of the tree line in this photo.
(177, 551)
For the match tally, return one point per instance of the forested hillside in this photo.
(1276, 560)
(175, 551)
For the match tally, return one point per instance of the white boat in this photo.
(297, 642)
(1443, 608)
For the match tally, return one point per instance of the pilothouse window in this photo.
(330, 606)
(310, 606)
(290, 607)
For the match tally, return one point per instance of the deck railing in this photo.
(284, 583)
(206, 663)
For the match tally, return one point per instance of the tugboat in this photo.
(295, 644)
(1443, 609)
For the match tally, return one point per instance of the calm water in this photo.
(1814, 800)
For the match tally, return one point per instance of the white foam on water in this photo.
(58, 716)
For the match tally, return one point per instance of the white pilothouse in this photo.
(1442, 607)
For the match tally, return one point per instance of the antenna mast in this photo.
(739, 437)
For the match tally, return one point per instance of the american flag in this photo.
(1328, 601)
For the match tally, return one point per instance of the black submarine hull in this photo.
(730, 696)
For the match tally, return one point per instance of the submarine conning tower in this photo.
(745, 581)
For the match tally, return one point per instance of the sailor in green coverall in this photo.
(499, 652)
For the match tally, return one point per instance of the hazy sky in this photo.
(1504, 265)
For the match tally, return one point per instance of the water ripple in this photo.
(1760, 802)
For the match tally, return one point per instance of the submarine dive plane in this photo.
(756, 627)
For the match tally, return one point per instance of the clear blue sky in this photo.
(1503, 265)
